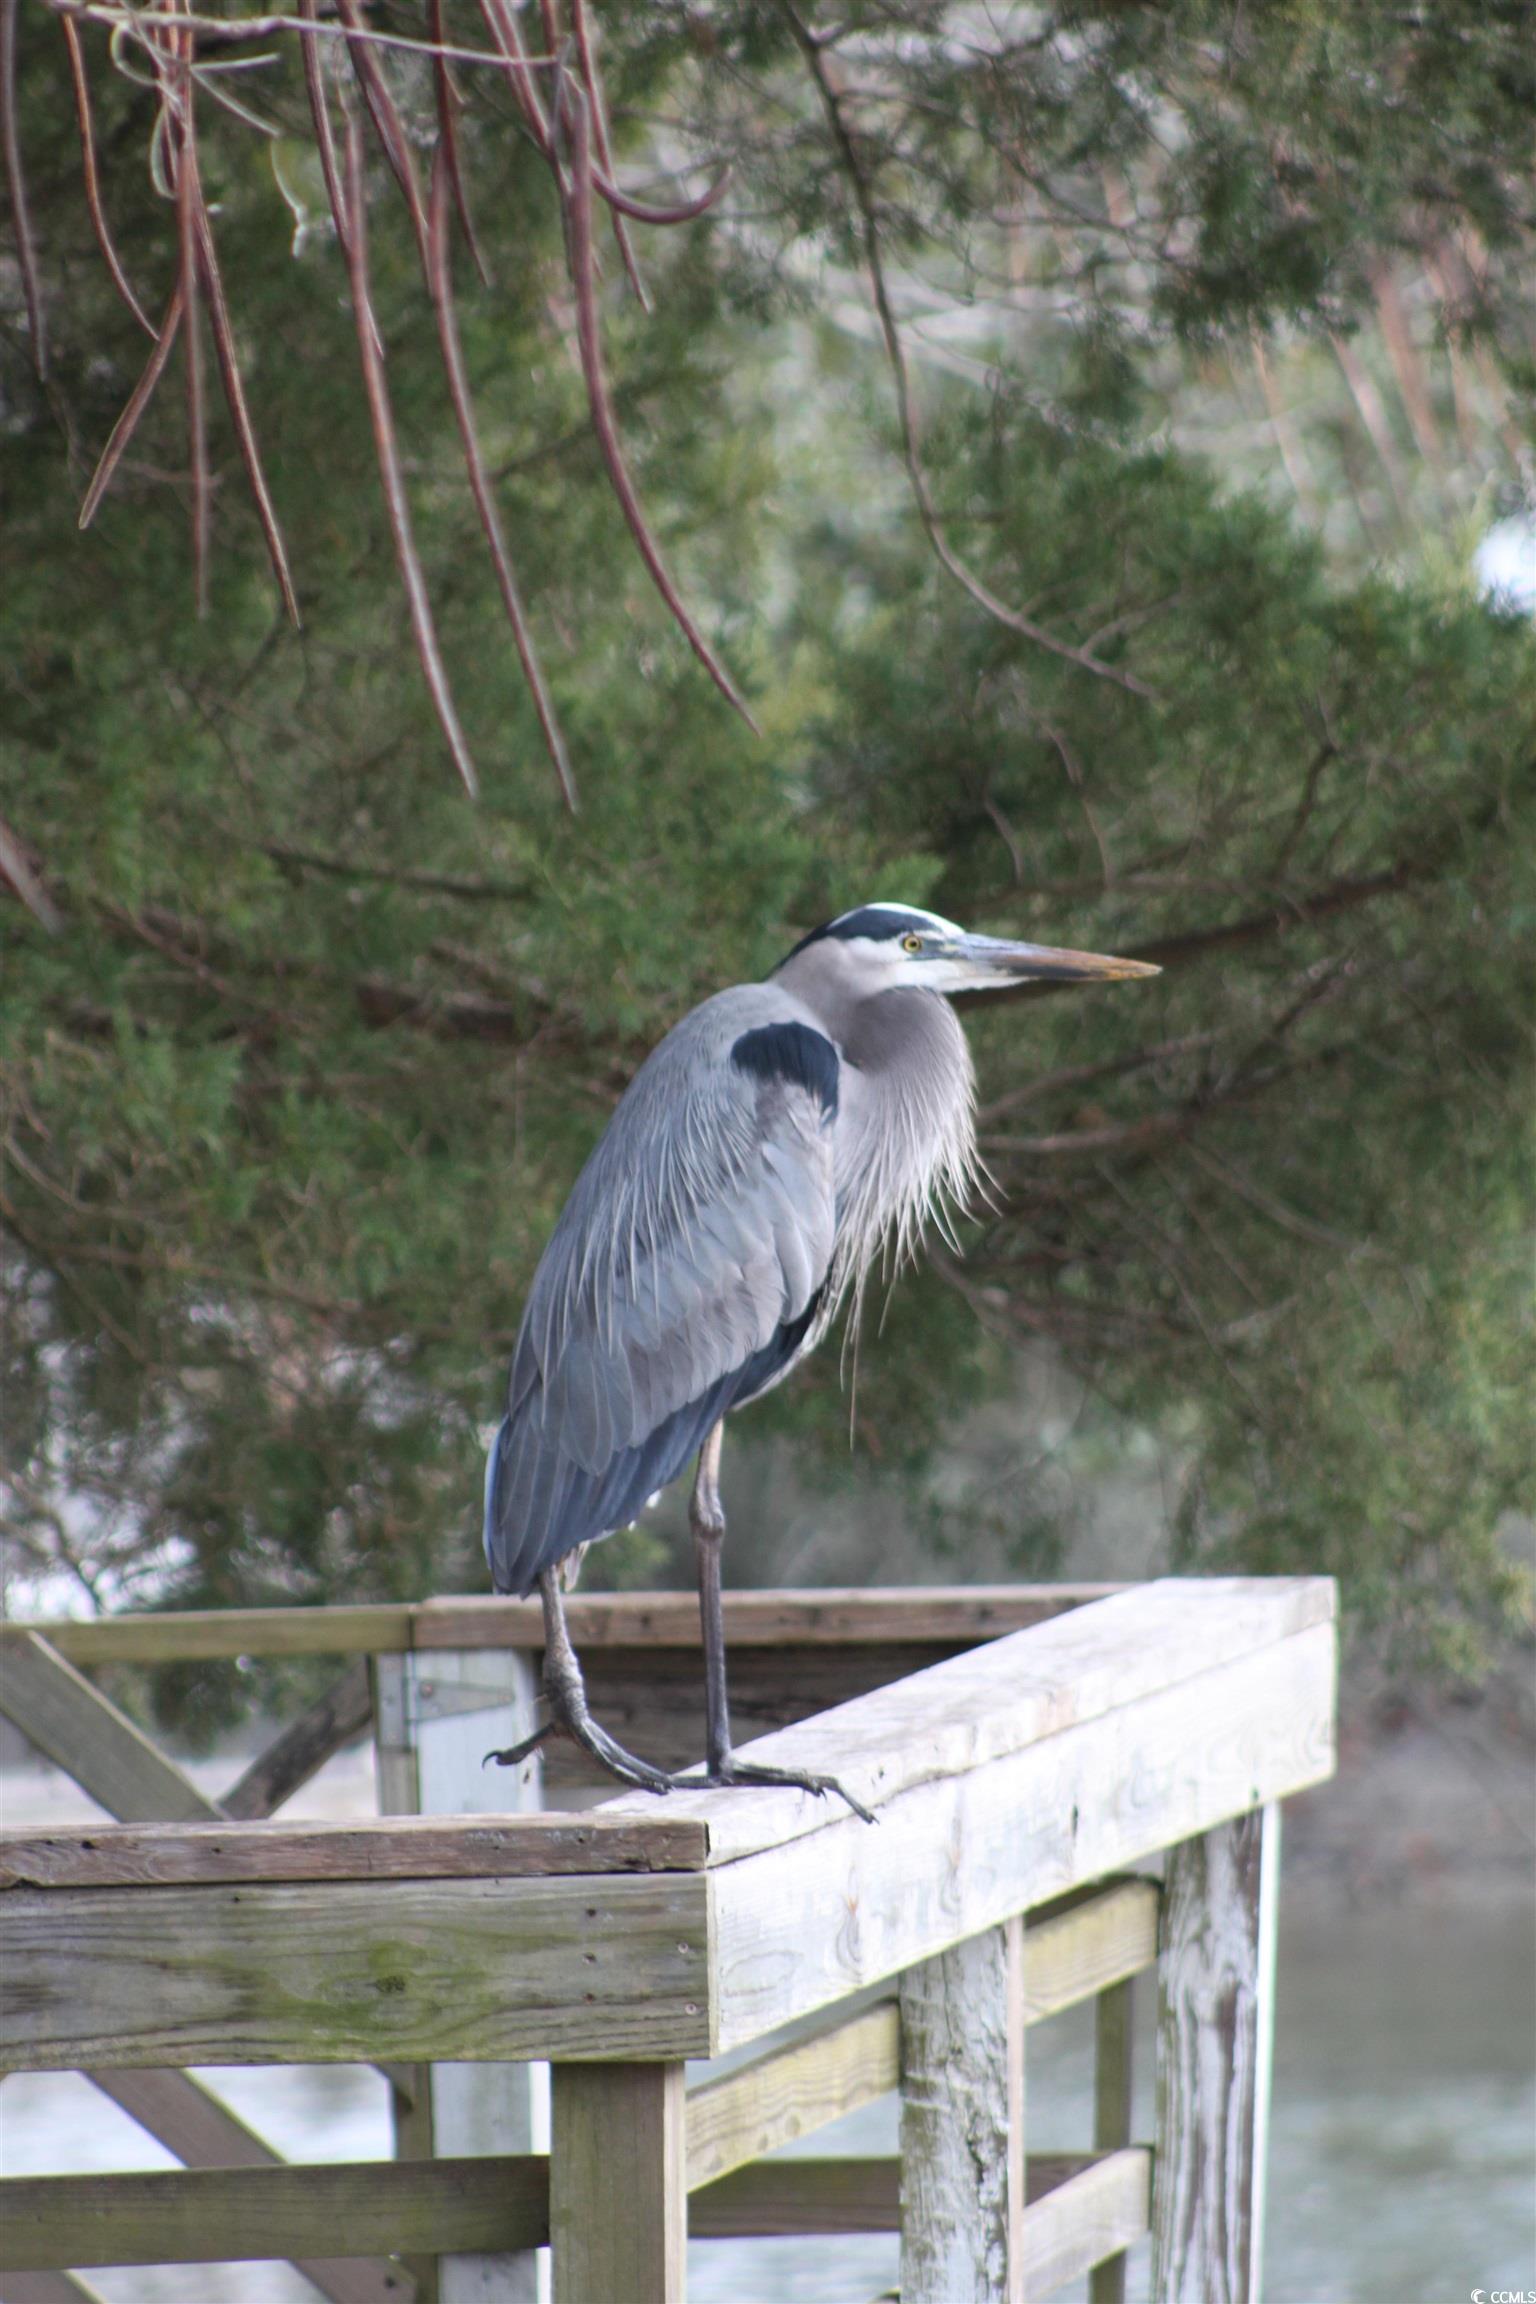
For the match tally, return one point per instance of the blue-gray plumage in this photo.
(780, 1141)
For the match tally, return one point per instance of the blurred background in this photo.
(1097, 440)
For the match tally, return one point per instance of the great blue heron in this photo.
(780, 1140)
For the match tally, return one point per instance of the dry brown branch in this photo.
(581, 33)
(449, 106)
(138, 400)
(387, 449)
(99, 226)
(188, 271)
(16, 188)
(234, 392)
(571, 119)
(440, 284)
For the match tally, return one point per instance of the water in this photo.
(1401, 2142)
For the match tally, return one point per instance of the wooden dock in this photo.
(1025, 1752)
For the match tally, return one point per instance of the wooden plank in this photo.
(355, 1972)
(202, 2132)
(841, 1909)
(997, 1699)
(792, 2092)
(399, 1848)
(235, 2215)
(59, 1711)
(625, 1619)
(1104, 1936)
(618, 2190)
(962, 2121)
(833, 1616)
(1112, 2077)
(1215, 1993)
(45, 2288)
(778, 2198)
(1099, 2211)
(342, 1712)
(199, 1635)
(436, 1718)
(122, 1769)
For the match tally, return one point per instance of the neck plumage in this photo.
(907, 1143)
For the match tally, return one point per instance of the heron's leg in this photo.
(707, 1518)
(566, 1694)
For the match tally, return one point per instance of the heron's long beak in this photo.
(992, 961)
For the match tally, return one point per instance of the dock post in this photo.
(962, 2122)
(1215, 2020)
(618, 2184)
(437, 1714)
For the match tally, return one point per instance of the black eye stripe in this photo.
(881, 923)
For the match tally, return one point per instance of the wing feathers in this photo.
(681, 1277)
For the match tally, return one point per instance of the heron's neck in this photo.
(906, 1136)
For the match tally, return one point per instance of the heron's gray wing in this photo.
(683, 1275)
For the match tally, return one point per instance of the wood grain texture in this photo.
(59, 1711)
(1215, 1986)
(437, 1718)
(618, 2189)
(347, 1971)
(848, 1906)
(778, 2198)
(202, 2132)
(234, 2215)
(623, 1619)
(995, 1700)
(400, 1848)
(1112, 2079)
(45, 2288)
(791, 2093)
(1097, 2212)
(1104, 1935)
(962, 2123)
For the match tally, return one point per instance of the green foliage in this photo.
(292, 1103)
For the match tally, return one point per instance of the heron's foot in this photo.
(569, 1717)
(730, 1770)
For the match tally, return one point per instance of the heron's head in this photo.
(891, 947)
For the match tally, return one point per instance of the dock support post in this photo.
(1215, 2018)
(962, 2123)
(1112, 2075)
(618, 2183)
(437, 1714)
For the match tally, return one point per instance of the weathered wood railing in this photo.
(1015, 1783)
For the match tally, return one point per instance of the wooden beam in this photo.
(840, 1909)
(1104, 1935)
(207, 2216)
(305, 1745)
(59, 1711)
(962, 2121)
(792, 2092)
(236, 2215)
(45, 2288)
(396, 1848)
(618, 2189)
(1082, 2200)
(1088, 1664)
(130, 1777)
(1112, 2077)
(1096, 2212)
(355, 1972)
(834, 1616)
(1215, 2009)
(436, 1717)
(202, 2132)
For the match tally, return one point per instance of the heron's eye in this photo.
(911, 943)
